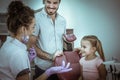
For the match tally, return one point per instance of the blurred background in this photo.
(87, 17)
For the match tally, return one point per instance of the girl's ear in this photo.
(93, 49)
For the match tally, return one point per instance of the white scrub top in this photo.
(13, 59)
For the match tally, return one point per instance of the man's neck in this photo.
(53, 17)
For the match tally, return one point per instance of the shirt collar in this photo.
(17, 43)
(45, 13)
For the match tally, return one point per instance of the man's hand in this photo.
(57, 53)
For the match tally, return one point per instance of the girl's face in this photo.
(86, 47)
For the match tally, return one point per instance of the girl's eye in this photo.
(55, 2)
(84, 46)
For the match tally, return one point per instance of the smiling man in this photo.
(49, 30)
(51, 6)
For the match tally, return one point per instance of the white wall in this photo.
(98, 17)
(34, 4)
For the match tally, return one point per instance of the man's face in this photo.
(51, 6)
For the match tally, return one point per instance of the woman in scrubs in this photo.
(14, 61)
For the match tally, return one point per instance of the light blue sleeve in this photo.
(37, 26)
(65, 26)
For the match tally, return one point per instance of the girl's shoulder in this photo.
(82, 60)
(99, 61)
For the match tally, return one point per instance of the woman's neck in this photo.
(17, 37)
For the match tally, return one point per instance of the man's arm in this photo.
(40, 53)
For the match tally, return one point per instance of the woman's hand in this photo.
(59, 69)
(32, 54)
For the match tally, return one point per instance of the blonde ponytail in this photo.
(100, 49)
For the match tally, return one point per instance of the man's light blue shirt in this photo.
(50, 35)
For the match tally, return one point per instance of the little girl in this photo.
(92, 65)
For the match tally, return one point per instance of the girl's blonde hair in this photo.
(95, 43)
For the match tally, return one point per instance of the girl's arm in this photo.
(81, 72)
(80, 78)
(102, 72)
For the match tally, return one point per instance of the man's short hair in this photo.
(44, 1)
